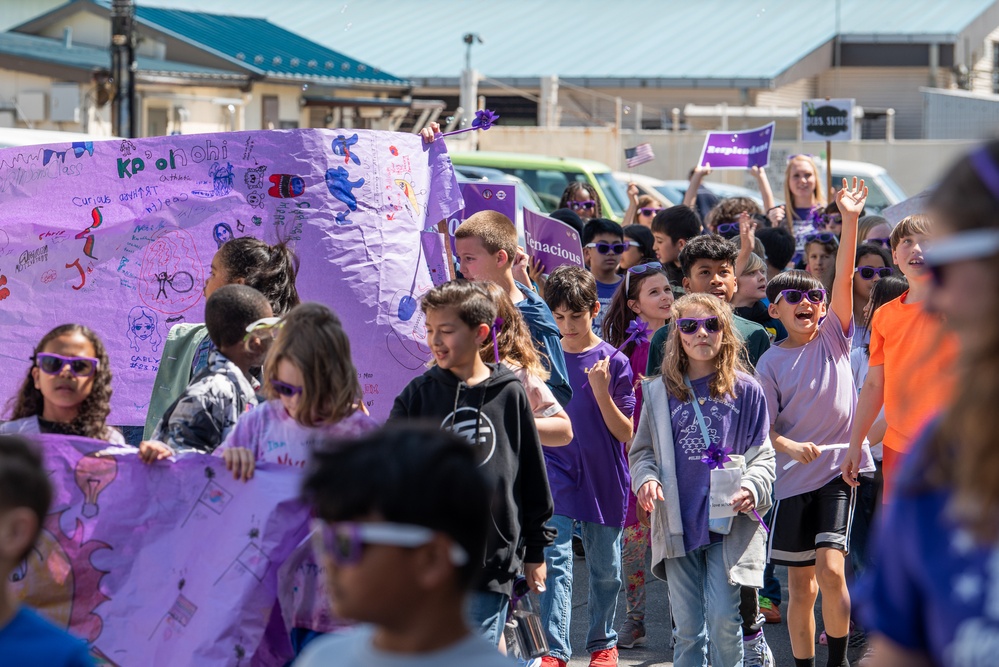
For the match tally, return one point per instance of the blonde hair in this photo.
(313, 340)
(819, 198)
(514, 338)
(495, 231)
(727, 362)
(755, 263)
(914, 224)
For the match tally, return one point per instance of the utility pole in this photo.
(123, 68)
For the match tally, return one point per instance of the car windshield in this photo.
(617, 196)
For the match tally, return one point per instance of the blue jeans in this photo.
(603, 560)
(486, 613)
(704, 602)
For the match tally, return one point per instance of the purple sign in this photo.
(484, 197)
(551, 241)
(119, 236)
(435, 256)
(741, 149)
(122, 560)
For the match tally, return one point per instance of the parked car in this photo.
(549, 176)
(526, 197)
(882, 190)
(647, 185)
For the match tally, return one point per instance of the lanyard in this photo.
(697, 411)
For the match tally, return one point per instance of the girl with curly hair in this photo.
(67, 389)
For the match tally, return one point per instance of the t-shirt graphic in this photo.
(476, 427)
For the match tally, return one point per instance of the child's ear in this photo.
(34, 376)
(686, 284)
(772, 311)
(595, 310)
(633, 306)
(18, 527)
(482, 333)
(502, 259)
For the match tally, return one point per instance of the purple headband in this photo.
(986, 170)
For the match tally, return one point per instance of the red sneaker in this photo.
(605, 657)
(551, 661)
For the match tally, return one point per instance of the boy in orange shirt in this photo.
(912, 360)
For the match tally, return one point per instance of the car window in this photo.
(617, 196)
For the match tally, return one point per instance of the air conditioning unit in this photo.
(64, 103)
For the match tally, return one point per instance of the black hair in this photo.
(572, 191)
(408, 474)
(779, 244)
(887, 289)
(229, 310)
(680, 223)
(597, 226)
(469, 300)
(643, 236)
(270, 269)
(569, 217)
(571, 287)
(23, 480)
(711, 246)
(795, 279)
(873, 249)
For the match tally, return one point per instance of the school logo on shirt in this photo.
(475, 427)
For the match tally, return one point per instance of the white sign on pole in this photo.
(827, 120)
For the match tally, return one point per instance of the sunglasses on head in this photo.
(794, 296)
(728, 229)
(966, 246)
(268, 327)
(639, 269)
(648, 211)
(884, 243)
(821, 237)
(868, 272)
(344, 541)
(582, 205)
(285, 389)
(609, 248)
(53, 364)
(691, 325)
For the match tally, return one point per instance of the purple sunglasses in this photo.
(285, 389)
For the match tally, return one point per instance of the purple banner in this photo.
(484, 197)
(741, 149)
(169, 564)
(119, 236)
(435, 256)
(551, 241)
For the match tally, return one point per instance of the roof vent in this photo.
(329, 64)
(345, 66)
(277, 60)
(240, 56)
(313, 64)
(258, 59)
(293, 62)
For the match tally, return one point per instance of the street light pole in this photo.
(123, 68)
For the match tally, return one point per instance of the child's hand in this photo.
(851, 199)
(776, 215)
(599, 376)
(743, 501)
(520, 262)
(153, 450)
(650, 492)
(851, 466)
(430, 132)
(633, 192)
(758, 172)
(747, 231)
(802, 452)
(700, 172)
(536, 573)
(241, 462)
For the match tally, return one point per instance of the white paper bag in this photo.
(725, 484)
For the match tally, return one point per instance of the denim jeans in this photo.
(704, 602)
(603, 561)
(486, 614)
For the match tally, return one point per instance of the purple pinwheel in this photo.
(484, 119)
(716, 456)
(637, 330)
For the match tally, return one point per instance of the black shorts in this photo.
(803, 523)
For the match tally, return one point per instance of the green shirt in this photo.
(755, 339)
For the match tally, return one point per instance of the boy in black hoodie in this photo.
(487, 405)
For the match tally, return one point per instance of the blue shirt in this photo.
(31, 641)
(548, 339)
(605, 294)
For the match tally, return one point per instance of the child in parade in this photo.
(205, 414)
(672, 228)
(640, 248)
(588, 478)
(811, 402)
(821, 249)
(702, 379)
(932, 595)
(873, 263)
(603, 245)
(581, 198)
(401, 527)
(486, 245)
(67, 388)
(269, 269)
(911, 368)
(804, 199)
(516, 351)
(645, 296)
(487, 405)
(26, 639)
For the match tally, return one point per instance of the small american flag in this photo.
(640, 154)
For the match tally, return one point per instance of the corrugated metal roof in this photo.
(709, 40)
(262, 46)
(90, 58)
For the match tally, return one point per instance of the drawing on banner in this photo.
(96, 218)
(62, 578)
(286, 186)
(406, 185)
(179, 614)
(93, 473)
(4, 292)
(409, 349)
(341, 147)
(169, 271)
(254, 177)
(222, 233)
(251, 560)
(340, 186)
(127, 147)
(212, 497)
(143, 329)
(220, 179)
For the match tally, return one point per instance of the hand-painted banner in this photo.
(168, 564)
(551, 241)
(119, 235)
(741, 149)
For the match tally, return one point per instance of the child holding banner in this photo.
(26, 639)
(67, 389)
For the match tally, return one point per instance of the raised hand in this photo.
(851, 199)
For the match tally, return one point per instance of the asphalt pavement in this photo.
(657, 650)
